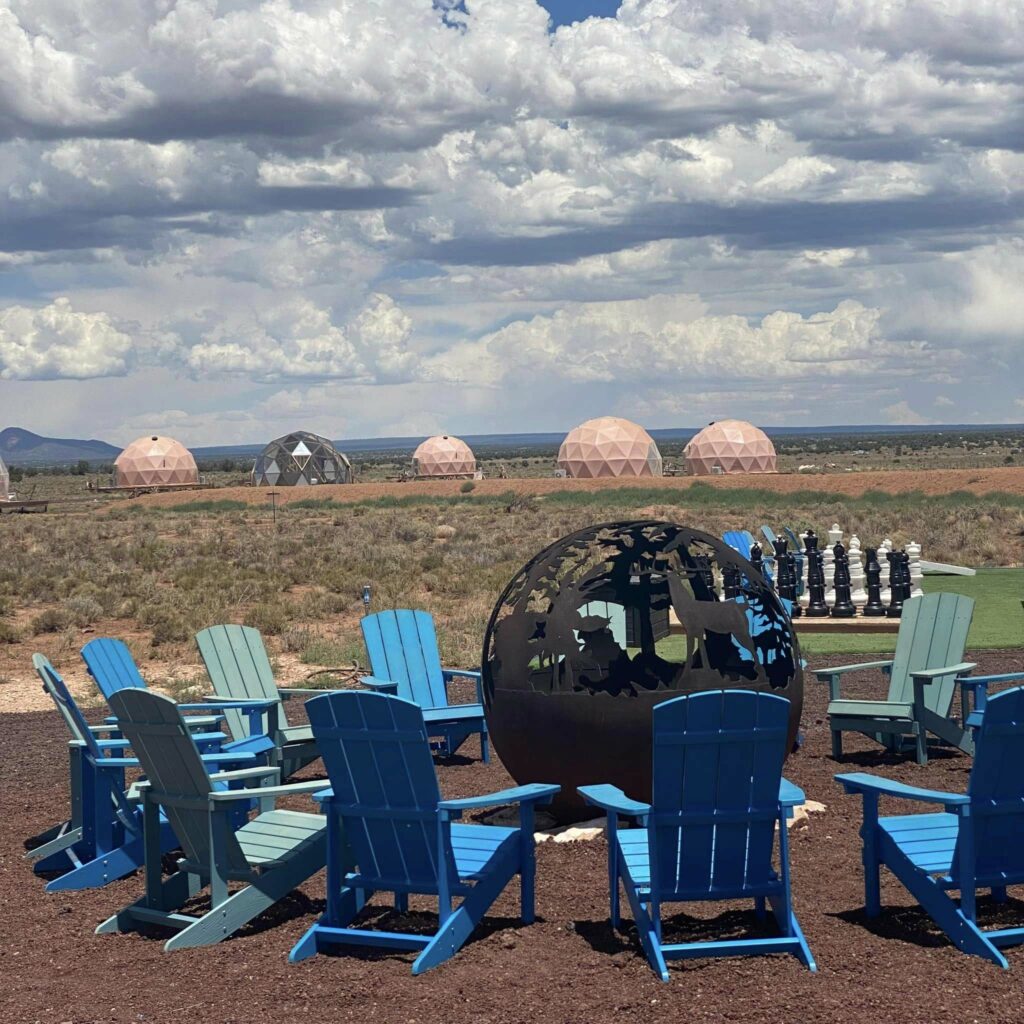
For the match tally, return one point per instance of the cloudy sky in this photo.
(223, 219)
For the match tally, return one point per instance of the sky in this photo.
(227, 219)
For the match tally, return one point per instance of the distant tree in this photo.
(80, 468)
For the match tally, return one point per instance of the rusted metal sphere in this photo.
(607, 622)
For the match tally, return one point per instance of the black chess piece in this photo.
(874, 607)
(785, 576)
(730, 582)
(757, 557)
(905, 580)
(842, 607)
(895, 609)
(707, 574)
(816, 607)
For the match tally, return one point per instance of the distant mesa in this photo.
(730, 446)
(20, 447)
(155, 461)
(301, 459)
(444, 457)
(609, 447)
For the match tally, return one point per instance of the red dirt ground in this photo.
(1009, 479)
(568, 967)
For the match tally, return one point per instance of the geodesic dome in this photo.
(730, 446)
(5, 481)
(155, 461)
(609, 446)
(300, 460)
(444, 455)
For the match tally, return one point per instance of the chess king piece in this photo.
(873, 607)
(816, 607)
(842, 606)
(916, 573)
(895, 608)
(858, 594)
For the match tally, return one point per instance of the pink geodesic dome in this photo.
(609, 446)
(730, 446)
(154, 461)
(444, 455)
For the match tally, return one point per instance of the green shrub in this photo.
(53, 620)
(468, 487)
(269, 618)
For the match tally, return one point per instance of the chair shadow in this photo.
(887, 759)
(914, 924)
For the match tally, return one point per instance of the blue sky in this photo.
(565, 12)
(227, 219)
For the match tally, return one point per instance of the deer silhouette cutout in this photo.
(702, 617)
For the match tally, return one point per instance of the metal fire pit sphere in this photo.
(574, 660)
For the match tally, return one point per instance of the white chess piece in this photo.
(884, 548)
(858, 577)
(835, 536)
(916, 575)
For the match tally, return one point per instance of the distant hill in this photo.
(20, 447)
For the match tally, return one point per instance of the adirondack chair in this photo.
(113, 668)
(272, 854)
(975, 842)
(922, 681)
(239, 669)
(404, 660)
(708, 832)
(385, 806)
(102, 840)
(741, 541)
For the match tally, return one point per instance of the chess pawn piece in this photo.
(874, 607)
(916, 574)
(757, 558)
(858, 594)
(842, 607)
(730, 582)
(804, 594)
(883, 560)
(816, 607)
(895, 609)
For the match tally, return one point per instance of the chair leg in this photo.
(837, 744)
(999, 894)
(921, 745)
(485, 747)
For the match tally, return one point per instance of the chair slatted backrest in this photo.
(738, 541)
(933, 633)
(717, 765)
(402, 647)
(239, 669)
(996, 789)
(112, 666)
(378, 760)
(169, 758)
(69, 710)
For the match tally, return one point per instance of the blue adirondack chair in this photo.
(708, 832)
(113, 668)
(102, 840)
(975, 842)
(270, 855)
(404, 660)
(385, 807)
(741, 542)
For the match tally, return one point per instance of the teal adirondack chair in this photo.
(113, 668)
(404, 660)
(102, 840)
(922, 675)
(385, 806)
(975, 842)
(272, 854)
(709, 831)
(239, 669)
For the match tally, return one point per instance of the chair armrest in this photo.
(386, 685)
(790, 795)
(113, 744)
(247, 773)
(289, 692)
(448, 674)
(532, 793)
(611, 798)
(929, 674)
(227, 795)
(324, 796)
(212, 700)
(824, 674)
(228, 758)
(861, 782)
(109, 725)
(117, 762)
(980, 681)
